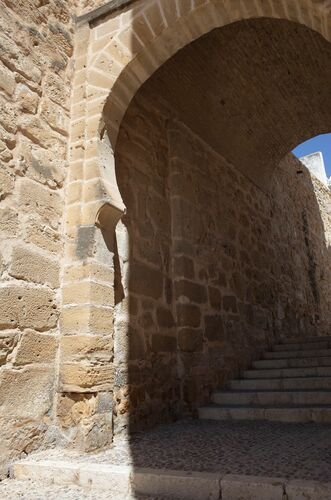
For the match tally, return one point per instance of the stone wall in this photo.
(35, 49)
(213, 269)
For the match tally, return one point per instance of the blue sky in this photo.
(319, 143)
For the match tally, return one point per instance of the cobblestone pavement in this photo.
(296, 451)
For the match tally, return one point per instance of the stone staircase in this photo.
(292, 383)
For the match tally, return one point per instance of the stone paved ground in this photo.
(297, 451)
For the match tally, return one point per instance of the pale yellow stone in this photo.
(35, 347)
(31, 265)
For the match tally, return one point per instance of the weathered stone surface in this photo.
(35, 47)
(252, 488)
(165, 318)
(27, 307)
(204, 258)
(214, 328)
(86, 347)
(26, 393)
(37, 199)
(8, 221)
(6, 183)
(43, 236)
(35, 347)
(28, 100)
(146, 281)
(188, 315)
(190, 339)
(83, 377)
(30, 265)
(193, 291)
(184, 266)
(230, 303)
(8, 340)
(7, 80)
(164, 343)
(85, 319)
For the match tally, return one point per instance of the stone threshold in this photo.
(126, 481)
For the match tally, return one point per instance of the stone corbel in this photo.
(107, 218)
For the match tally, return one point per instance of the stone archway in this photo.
(114, 57)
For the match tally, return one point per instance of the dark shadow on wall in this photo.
(222, 250)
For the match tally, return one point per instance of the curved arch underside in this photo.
(252, 90)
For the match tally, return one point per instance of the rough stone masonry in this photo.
(210, 265)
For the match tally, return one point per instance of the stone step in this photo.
(296, 414)
(319, 371)
(297, 354)
(299, 340)
(274, 384)
(120, 481)
(293, 362)
(270, 398)
(124, 483)
(302, 346)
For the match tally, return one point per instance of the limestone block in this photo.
(190, 339)
(184, 266)
(112, 478)
(230, 303)
(91, 292)
(297, 489)
(215, 297)
(188, 315)
(54, 115)
(30, 265)
(16, 435)
(38, 131)
(42, 165)
(78, 377)
(94, 348)
(8, 340)
(193, 291)
(8, 221)
(61, 36)
(27, 307)
(7, 182)
(48, 471)
(214, 329)
(56, 89)
(100, 272)
(73, 408)
(136, 348)
(177, 484)
(26, 393)
(164, 343)
(9, 115)
(42, 235)
(43, 201)
(28, 100)
(235, 487)
(145, 280)
(86, 319)
(35, 347)
(96, 432)
(165, 317)
(7, 80)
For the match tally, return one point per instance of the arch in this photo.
(113, 58)
(125, 50)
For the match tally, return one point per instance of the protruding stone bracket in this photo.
(107, 218)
